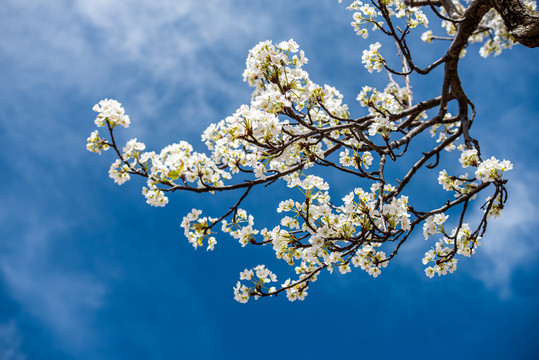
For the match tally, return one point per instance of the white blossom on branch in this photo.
(294, 127)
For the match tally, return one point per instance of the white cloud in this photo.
(163, 56)
(10, 342)
(510, 241)
(83, 41)
(64, 300)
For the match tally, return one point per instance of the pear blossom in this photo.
(95, 143)
(427, 36)
(372, 58)
(492, 169)
(469, 158)
(382, 125)
(112, 113)
(434, 224)
(292, 127)
(119, 172)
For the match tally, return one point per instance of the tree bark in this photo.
(522, 22)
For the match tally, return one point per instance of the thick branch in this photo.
(422, 2)
(450, 8)
(522, 22)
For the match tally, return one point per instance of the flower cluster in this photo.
(95, 143)
(119, 172)
(196, 229)
(494, 206)
(434, 224)
(366, 16)
(461, 241)
(176, 162)
(492, 169)
(241, 227)
(469, 158)
(486, 171)
(258, 276)
(356, 159)
(255, 138)
(493, 34)
(372, 58)
(383, 126)
(315, 223)
(392, 100)
(111, 113)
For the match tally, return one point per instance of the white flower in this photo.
(492, 169)
(286, 205)
(427, 36)
(429, 256)
(155, 197)
(133, 148)
(344, 158)
(469, 158)
(95, 143)
(366, 158)
(372, 58)
(119, 172)
(434, 224)
(241, 293)
(289, 45)
(429, 272)
(344, 268)
(383, 126)
(246, 274)
(111, 112)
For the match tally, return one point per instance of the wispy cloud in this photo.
(64, 300)
(160, 56)
(10, 342)
(82, 41)
(509, 242)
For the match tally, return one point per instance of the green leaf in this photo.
(174, 174)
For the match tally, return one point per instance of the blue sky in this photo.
(89, 271)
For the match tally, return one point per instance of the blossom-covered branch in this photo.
(295, 131)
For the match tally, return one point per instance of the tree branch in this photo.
(522, 22)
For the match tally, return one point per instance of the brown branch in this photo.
(417, 3)
(450, 8)
(522, 22)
